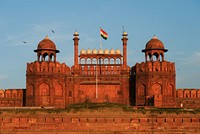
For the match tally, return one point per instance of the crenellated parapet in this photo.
(189, 98)
(156, 66)
(11, 97)
(47, 67)
(188, 93)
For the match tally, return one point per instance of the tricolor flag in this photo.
(104, 35)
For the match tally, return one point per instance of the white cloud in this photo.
(3, 76)
(191, 59)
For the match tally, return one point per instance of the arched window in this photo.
(45, 57)
(149, 57)
(100, 61)
(82, 61)
(40, 57)
(88, 61)
(161, 57)
(106, 61)
(52, 57)
(155, 57)
(118, 61)
(94, 61)
(111, 61)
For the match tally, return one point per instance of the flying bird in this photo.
(24, 42)
(52, 31)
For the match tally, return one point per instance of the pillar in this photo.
(76, 39)
(124, 41)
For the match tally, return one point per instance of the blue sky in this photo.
(175, 22)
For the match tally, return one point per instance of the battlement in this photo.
(188, 98)
(11, 97)
(188, 93)
(155, 66)
(51, 67)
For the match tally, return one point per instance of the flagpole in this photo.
(100, 41)
(96, 82)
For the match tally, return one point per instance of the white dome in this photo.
(89, 51)
(117, 51)
(82, 51)
(112, 51)
(106, 51)
(100, 51)
(94, 51)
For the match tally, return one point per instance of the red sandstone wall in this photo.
(188, 98)
(11, 97)
(140, 123)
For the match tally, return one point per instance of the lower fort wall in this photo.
(99, 123)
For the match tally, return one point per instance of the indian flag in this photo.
(104, 35)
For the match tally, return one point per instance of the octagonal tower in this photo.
(155, 78)
(45, 78)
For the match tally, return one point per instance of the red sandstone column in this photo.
(76, 39)
(124, 40)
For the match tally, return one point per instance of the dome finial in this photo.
(76, 34)
(154, 37)
(47, 37)
(125, 34)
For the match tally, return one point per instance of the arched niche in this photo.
(170, 90)
(14, 93)
(180, 93)
(198, 93)
(31, 90)
(186, 93)
(44, 89)
(156, 89)
(141, 90)
(58, 90)
(1, 93)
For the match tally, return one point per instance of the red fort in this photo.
(100, 76)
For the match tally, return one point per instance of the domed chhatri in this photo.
(46, 44)
(155, 44)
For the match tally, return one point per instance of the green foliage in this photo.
(89, 106)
